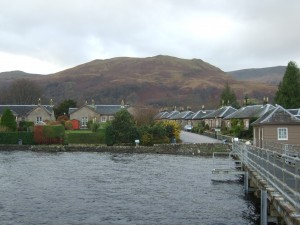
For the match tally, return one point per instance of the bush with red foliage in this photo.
(49, 134)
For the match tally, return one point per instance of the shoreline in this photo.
(203, 149)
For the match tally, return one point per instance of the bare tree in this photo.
(23, 91)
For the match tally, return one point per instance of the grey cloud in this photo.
(70, 32)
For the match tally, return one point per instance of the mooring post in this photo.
(263, 207)
(246, 184)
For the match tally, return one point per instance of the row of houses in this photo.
(80, 116)
(270, 123)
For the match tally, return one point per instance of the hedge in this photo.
(85, 138)
(49, 134)
(13, 138)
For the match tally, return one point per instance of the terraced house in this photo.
(215, 119)
(247, 114)
(95, 113)
(277, 125)
(35, 113)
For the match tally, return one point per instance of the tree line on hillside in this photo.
(287, 95)
(26, 92)
(125, 128)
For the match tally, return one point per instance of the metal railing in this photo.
(288, 149)
(218, 136)
(280, 169)
(221, 137)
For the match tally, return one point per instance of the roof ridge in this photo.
(227, 108)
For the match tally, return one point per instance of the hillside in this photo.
(271, 75)
(7, 77)
(160, 80)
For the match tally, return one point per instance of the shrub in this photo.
(86, 138)
(89, 124)
(49, 134)
(199, 128)
(95, 127)
(14, 137)
(122, 129)
(172, 129)
(8, 120)
(4, 129)
(147, 139)
(51, 123)
(68, 125)
(26, 126)
(109, 136)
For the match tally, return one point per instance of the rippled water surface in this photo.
(103, 188)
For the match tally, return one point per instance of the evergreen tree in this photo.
(122, 129)
(63, 107)
(288, 93)
(8, 120)
(228, 97)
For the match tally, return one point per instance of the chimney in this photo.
(246, 100)
(265, 100)
(51, 102)
(122, 104)
(39, 102)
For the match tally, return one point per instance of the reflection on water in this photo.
(100, 188)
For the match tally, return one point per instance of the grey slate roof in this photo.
(71, 110)
(171, 114)
(23, 110)
(108, 109)
(160, 115)
(180, 115)
(220, 113)
(250, 111)
(278, 115)
(295, 112)
(102, 109)
(199, 114)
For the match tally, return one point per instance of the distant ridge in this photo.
(17, 74)
(272, 75)
(159, 80)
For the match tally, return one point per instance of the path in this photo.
(188, 137)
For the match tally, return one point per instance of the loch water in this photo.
(103, 188)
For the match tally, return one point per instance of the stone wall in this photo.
(177, 149)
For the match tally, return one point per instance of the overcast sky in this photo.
(46, 36)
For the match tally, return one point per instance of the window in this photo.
(282, 133)
(103, 118)
(111, 117)
(84, 121)
(39, 119)
(246, 123)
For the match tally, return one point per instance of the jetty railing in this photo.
(279, 166)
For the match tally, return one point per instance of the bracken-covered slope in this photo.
(160, 80)
(272, 75)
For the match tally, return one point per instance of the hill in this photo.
(159, 80)
(271, 75)
(8, 77)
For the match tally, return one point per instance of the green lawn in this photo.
(85, 137)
